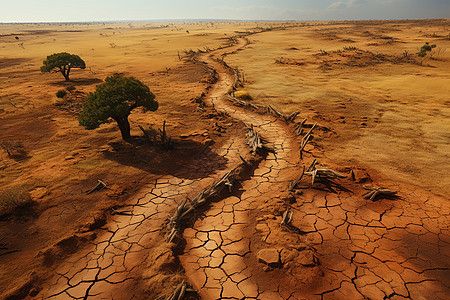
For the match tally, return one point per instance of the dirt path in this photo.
(219, 244)
(388, 249)
(346, 247)
(107, 268)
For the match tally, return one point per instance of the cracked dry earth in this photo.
(340, 246)
(113, 260)
(344, 246)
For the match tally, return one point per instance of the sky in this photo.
(108, 10)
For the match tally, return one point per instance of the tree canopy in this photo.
(62, 62)
(115, 99)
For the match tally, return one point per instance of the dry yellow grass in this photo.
(391, 117)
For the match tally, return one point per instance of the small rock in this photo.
(184, 136)
(307, 258)
(270, 257)
(69, 157)
(363, 124)
(209, 142)
(267, 269)
(262, 227)
(38, 193)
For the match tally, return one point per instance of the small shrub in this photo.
(61, 93)
(425, 49)
(70, 88)
(243, 95)
(13, 198)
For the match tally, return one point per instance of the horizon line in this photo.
(207, 20)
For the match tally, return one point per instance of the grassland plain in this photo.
(63, 160)
(388, 112)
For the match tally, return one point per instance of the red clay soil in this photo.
(338, 245)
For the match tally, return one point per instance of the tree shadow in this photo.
(78, 81)
(189, 159)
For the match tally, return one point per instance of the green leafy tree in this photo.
(115, 99)
(62, 62)
(425, 49)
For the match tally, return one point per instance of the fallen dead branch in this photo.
(299, 127)
(377, 192)
(306, 139)
(184, 211)
(294, 184)
(287, 217)
(253, 138)
(324, 173)
(180, 292)
(325, 176)
(291, 117)
(100, 186)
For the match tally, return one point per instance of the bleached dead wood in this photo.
(377, 192)
(293, 184)
(287, 217)
(299, 127)
(185, 210)
(323, 173)
(253, 138)
(291, 117)
(100, 185)
(272, 111)
(179, 292)
(306, 139)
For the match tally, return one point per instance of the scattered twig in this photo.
(377, 192)
(287, 217)
(100, 186)
(293, 184)
(324, 173)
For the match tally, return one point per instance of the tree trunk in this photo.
(65, 71)
(65, 74)
(124, 127)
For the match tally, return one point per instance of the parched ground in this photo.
(373, 128)
(387, 112)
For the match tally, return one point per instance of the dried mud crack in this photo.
(334, 246)
(339, 245)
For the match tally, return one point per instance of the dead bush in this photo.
(243, 95)
(14, 198)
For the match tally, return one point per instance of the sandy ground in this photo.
(388, 116)
(63, 160)
(392, 117)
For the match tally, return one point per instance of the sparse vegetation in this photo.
(14, 197)
(115, 99)
(62, 62)
(61, 94)
(425, 49)
(243, 95)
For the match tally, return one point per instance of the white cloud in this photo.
(344, 4)
(259, 12)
